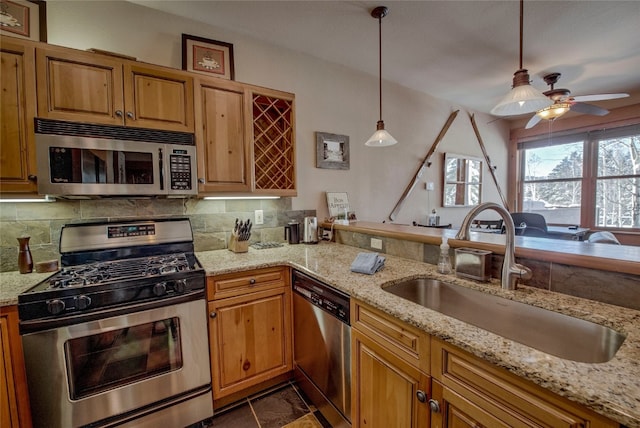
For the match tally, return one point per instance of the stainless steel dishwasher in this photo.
(322, 347)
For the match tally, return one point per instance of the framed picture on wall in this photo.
(207, 56)
(332, 151)
(26, 19)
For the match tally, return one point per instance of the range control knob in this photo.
(55, 306)
(83, 302)
(180, 285)
(160, 289)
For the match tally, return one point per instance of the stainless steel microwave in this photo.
(87, 160)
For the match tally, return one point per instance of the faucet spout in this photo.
(512, 272)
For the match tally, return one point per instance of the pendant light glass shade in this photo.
(380, 138)
(523, 98)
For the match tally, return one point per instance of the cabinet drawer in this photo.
(238, 283)
(408, 342)
(504, 395)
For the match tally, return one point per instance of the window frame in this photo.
(590, 178)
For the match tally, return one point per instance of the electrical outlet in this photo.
(259, 217)
(430, 185)
(376, 243)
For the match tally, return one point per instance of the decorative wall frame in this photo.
(206, 56)
(332, 151)
(26, 19)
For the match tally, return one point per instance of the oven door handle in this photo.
(79, 318)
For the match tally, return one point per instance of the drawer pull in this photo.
(434, 406)
(422, 396)
(252, 281)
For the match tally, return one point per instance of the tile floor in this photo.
(284, 406)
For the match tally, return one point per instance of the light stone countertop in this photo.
(611, 389)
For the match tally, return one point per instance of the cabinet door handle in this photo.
(119, 113)
(130, 115)
(32, 177)
(422, 396)
(201, 180)
(213, 315)
(434, 406)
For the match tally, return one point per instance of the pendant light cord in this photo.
(380, 62)
(521, 32)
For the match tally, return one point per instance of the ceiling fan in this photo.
(563, 102)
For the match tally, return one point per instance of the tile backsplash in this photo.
(211, 221)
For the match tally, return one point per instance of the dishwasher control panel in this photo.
(323, 296)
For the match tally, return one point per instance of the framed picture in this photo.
(332, 151)
(338, 204)
(206, 56)
(26, 19)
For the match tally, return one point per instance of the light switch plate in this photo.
(259, 217)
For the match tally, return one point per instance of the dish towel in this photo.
(368, 263)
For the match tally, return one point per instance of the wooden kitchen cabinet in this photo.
(17, 110)
(14, 396)
(87, 87)
(249, 329)
(389, 388)
(224, 151)
(471, 392)
(273, 139)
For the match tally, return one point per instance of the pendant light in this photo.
(523, 98)
(380, 138)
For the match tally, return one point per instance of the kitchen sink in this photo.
(547, 331)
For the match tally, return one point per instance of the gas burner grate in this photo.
(98, 273)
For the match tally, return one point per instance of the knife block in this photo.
(238, 246)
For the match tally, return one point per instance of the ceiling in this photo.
(464, 52)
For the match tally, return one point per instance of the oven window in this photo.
(118, 357)
(71, 165)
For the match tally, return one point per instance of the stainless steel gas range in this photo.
(118, 337)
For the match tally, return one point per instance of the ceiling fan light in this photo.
(381, 138)
(554, 111)
(522, 98)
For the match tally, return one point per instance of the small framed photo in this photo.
(206, 56)
(332, 151)
(26, 19)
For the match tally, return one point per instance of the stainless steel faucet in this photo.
(511, 271)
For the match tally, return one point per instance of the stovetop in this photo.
(117, 265)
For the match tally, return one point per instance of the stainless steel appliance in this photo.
(119, 335)
(322, 347)
(292, 229)
(86, 160)
(310, 230)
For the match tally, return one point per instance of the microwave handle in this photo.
(161, 169)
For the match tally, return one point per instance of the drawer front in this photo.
(236, 284)
(408, 342)
(494, 389)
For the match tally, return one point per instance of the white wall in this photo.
(329, 98)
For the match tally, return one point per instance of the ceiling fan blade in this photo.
(589, 109)
(533, 121)
(599, 97)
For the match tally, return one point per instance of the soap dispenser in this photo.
(444, 263)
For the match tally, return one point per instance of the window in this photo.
(589, 179)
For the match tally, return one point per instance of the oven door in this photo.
(115, 367)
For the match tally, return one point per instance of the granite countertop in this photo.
(610, 389)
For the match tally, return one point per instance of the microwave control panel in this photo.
(180, 174)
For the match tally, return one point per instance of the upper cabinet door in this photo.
(17, 109)
(158, 98)
(223, 151)
(88, 87)
(79, 86)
